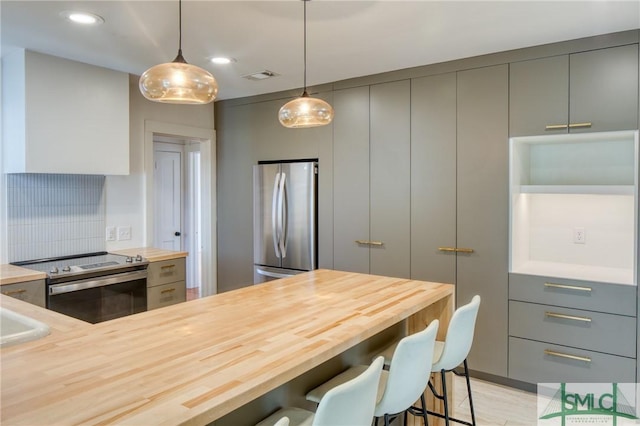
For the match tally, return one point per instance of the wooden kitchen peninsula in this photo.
(197, 361)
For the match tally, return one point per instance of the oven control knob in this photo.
(138, 258)
(66, 269)
(129, 259)
(54, 270)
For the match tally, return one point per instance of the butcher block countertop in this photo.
(11, 274)
(152, 254)
(194, 362)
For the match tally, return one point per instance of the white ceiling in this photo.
(345, 38)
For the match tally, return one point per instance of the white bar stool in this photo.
(448, 356)
(350, 403)
(404, 382)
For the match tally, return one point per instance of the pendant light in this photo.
(305, 111)
(178, 82)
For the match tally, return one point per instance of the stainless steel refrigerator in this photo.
(284, 219)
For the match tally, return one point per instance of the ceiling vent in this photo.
(261, 75)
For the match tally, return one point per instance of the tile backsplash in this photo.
(54, 215)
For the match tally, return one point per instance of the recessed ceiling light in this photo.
(221, 60)
(84, 18)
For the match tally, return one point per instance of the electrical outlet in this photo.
(579, 236)
(110, 233)
(124, 233)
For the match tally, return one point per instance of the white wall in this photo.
(125, 195)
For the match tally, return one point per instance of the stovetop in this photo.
(79, 266)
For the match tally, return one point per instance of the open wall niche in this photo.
(573, 206)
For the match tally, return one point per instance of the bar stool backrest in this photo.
(409, 371)
(353, 402)
(459, 336)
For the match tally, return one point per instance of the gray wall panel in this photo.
(483, 97)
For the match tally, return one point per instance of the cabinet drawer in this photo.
(615, 334)
(167, 271)
(529, 363)
(592, 296)
(30, 291)
(167, 294)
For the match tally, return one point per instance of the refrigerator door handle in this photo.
(274, 212)
(272, 274)
(284, 228)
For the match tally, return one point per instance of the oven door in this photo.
(100, 298)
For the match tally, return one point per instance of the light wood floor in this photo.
(495, 405)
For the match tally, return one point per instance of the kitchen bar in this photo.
(198, 361)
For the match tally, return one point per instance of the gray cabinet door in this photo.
(482, 210)
(433, 177)
(538, 96)
(351, 179)
(604, 89)
(390, 178)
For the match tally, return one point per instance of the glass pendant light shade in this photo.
(178, 82)
(305, 111)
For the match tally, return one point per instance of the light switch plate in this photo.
(110, 234)
(124, 233)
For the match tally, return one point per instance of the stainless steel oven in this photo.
(94, 287)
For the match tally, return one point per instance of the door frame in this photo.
(207, 138)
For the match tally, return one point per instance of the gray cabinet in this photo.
(166, 283)
(433, 178)
(29, 291)
(351, 179)
(371, 179)
(482, 210)
(588, 91)
(537, 362)
(390, 145)
(563, 330)
(459, 189)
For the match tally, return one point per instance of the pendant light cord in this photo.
(180, 25)
(305, 45)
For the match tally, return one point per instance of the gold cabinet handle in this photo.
(579, 125)
(568, 287)
(568, 356)
(14, 292)
(370, 243)
(168, 266)
(464, 250)
(447, 249)
(169, 290)
(567, 317)
(556, 126)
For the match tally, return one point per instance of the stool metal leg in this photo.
(466, 373)
(444, 395)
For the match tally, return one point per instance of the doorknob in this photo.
(177, 233)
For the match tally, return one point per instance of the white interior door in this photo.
(168, 197)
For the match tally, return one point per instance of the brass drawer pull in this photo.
(447, 249)
(568, 287)
(568, 317)
(556, 127)
(456, 250)
(579, 125)
(14, 292)
(568, 356)
(169, 290)
(168, 266)
(464, 250)
(370, 243)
